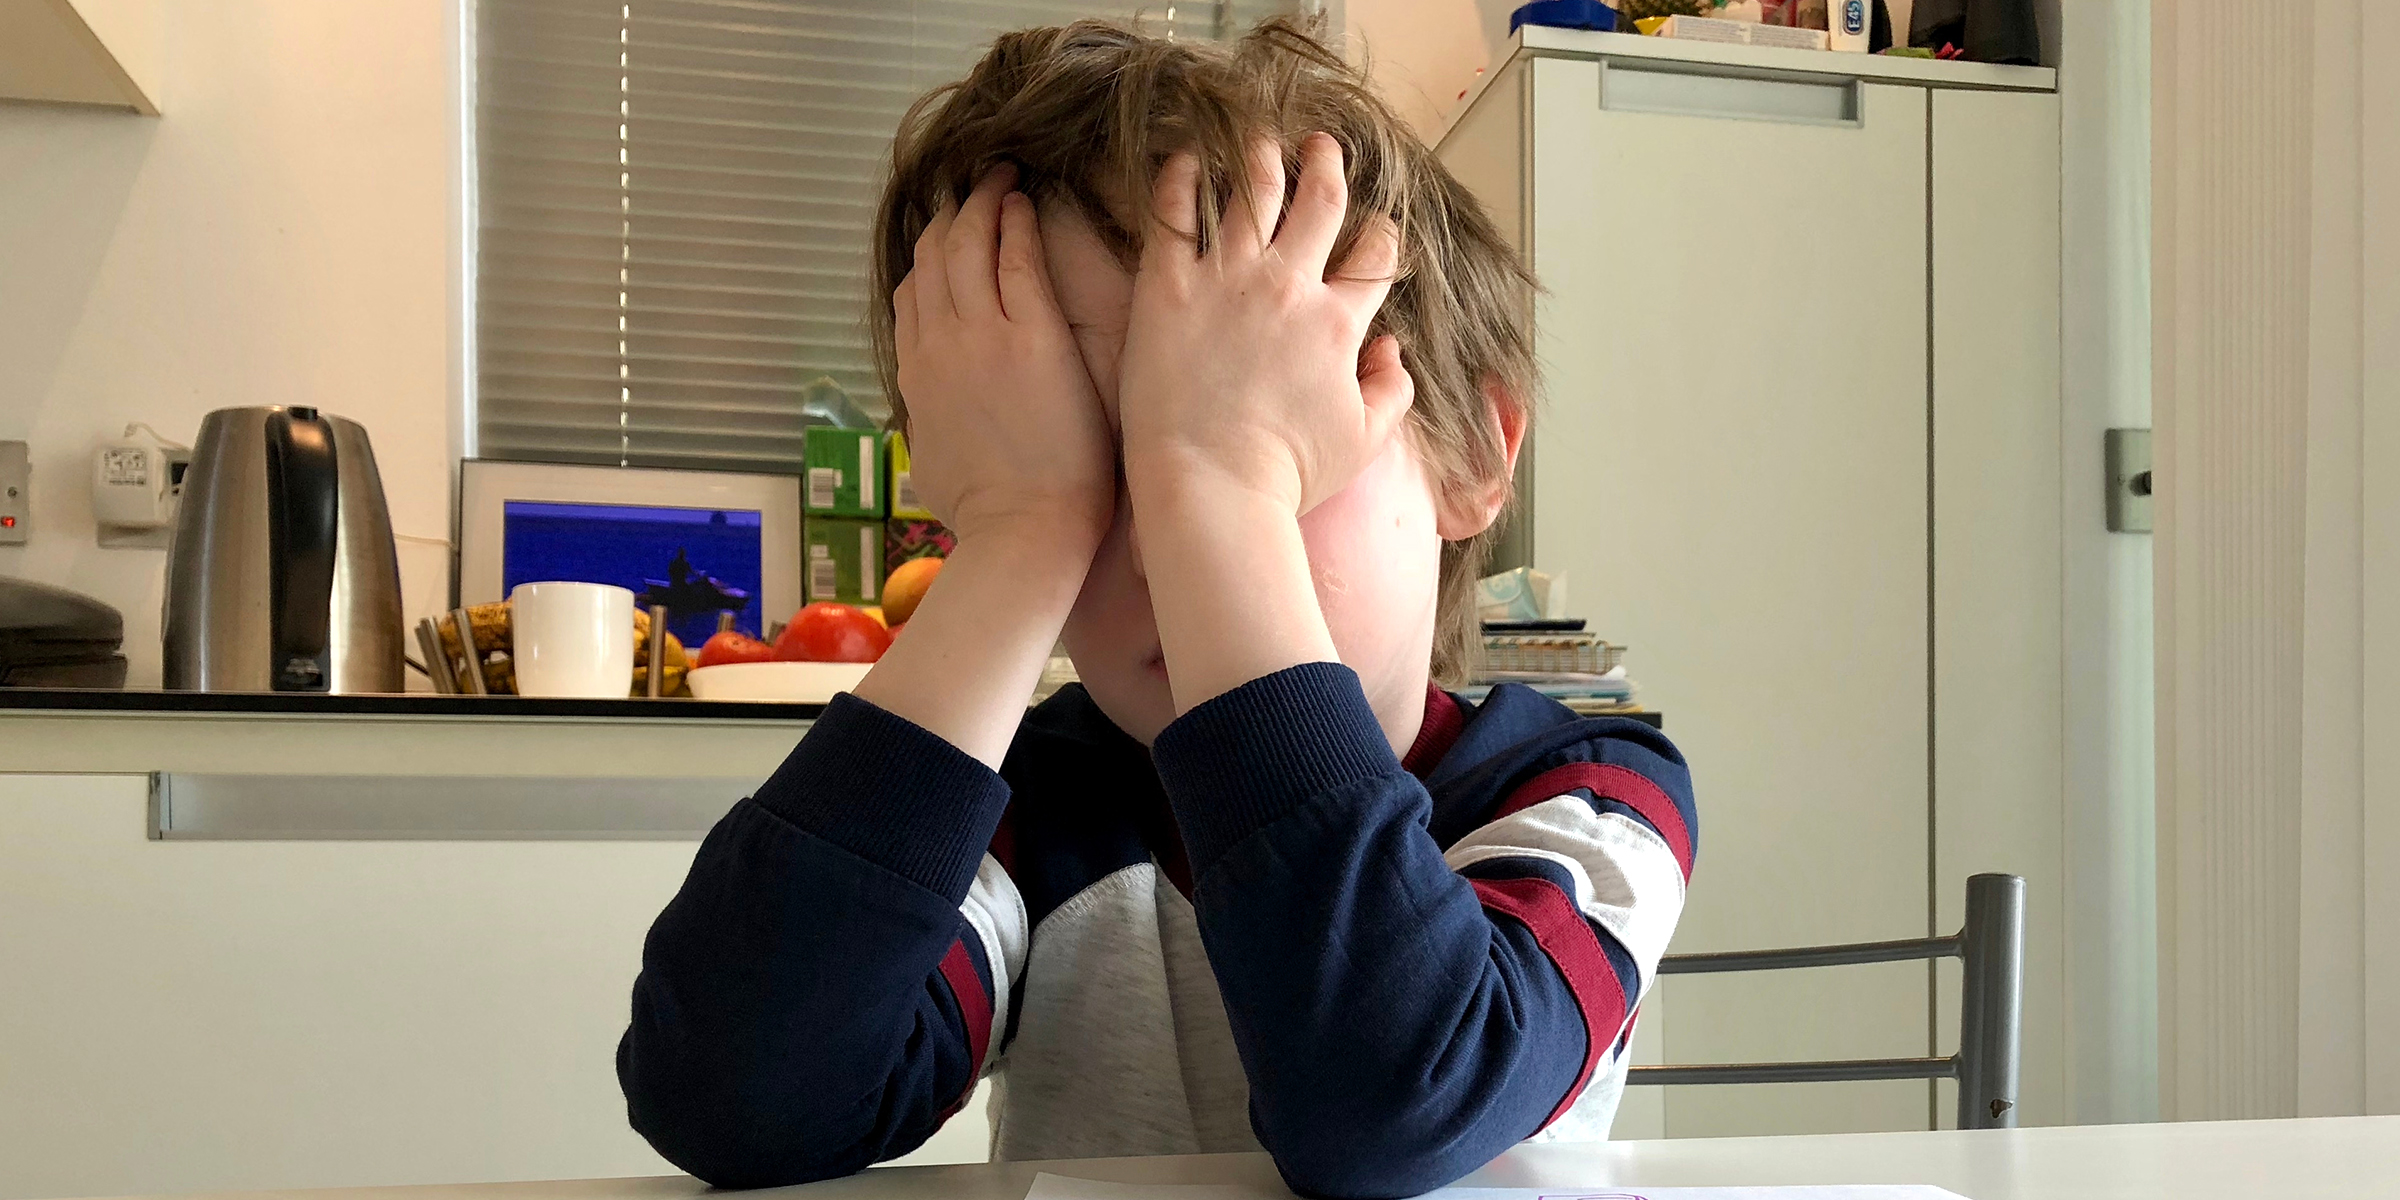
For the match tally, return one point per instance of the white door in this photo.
(1999, 694)
(1731, 468)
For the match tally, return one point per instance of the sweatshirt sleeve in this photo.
(1405, 1015)
(829, 982)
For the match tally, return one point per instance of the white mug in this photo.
(572, 639)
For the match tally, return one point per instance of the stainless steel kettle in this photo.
(282, 575)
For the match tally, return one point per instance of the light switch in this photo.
(2127, 456)
(16, 492)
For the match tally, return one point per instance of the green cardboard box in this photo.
(844, 473)
(844, 559)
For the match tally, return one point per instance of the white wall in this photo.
(281, 234)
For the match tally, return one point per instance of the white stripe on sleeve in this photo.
(1626, 878)
(996, 913)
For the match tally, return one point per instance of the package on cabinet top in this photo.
(902, 488)
(844, 473)
(843, 560)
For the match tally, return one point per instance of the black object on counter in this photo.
(426, 704)
(1992, 31)
(53, 638)
(303, 529)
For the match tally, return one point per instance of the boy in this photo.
(1219, 378)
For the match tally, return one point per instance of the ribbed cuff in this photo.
(887, 790)
(1247, 758)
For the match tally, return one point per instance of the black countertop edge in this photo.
(411, 704)
(428, 704)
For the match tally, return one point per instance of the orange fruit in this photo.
(906, 585)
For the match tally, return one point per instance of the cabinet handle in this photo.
(1747, 96)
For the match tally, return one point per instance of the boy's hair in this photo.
(1088, 112)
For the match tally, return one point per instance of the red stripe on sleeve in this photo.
(1624, 785)
(974, 1009)
(1436, 732)
(1004, 842)
(1567, 938)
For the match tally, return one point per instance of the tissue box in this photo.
(843, 559)
(1519, 594)
(844, 473)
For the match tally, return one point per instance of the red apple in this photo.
(828, 632)
(733, 646)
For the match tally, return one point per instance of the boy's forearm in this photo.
(973, 653)
(1395, 1034)
(1230, 584)
(815, 996)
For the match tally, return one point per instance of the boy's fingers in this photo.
(1024, 274)
(1385, 387)
(928, 269)
(1365, 278)
(1318, 205)
(1174, 225)
(1251, 230)
(972, 244)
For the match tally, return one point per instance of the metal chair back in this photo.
(1991, 946)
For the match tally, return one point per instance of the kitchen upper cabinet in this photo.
(1799, 451)
(96, 52)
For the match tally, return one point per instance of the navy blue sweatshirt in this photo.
(1267, 931)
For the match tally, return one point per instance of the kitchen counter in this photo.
(415, 766)
(414, 735)
(406, 704)
(271, 931)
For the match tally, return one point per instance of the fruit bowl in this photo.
(786, 682)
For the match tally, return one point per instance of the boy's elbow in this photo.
(721, 1140)
(1346, 1160)
(1361, 1180)
(723, 1157)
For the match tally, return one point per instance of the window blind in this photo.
(674, 202)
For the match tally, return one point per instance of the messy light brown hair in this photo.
(1088, 112)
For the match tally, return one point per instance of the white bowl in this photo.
(789, 682)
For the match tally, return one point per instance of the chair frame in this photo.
(1991, 945)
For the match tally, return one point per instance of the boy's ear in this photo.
(1465, 516)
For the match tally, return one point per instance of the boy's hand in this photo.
(1012, 451)
(1005, 432)
(1242, 366)
(1244, 400)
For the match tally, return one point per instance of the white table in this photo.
(2325, 1157)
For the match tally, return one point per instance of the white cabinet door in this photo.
(1998, 688)
(206, 1016)
(1731, 467)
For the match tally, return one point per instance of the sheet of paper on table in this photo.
(1059, 1187)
